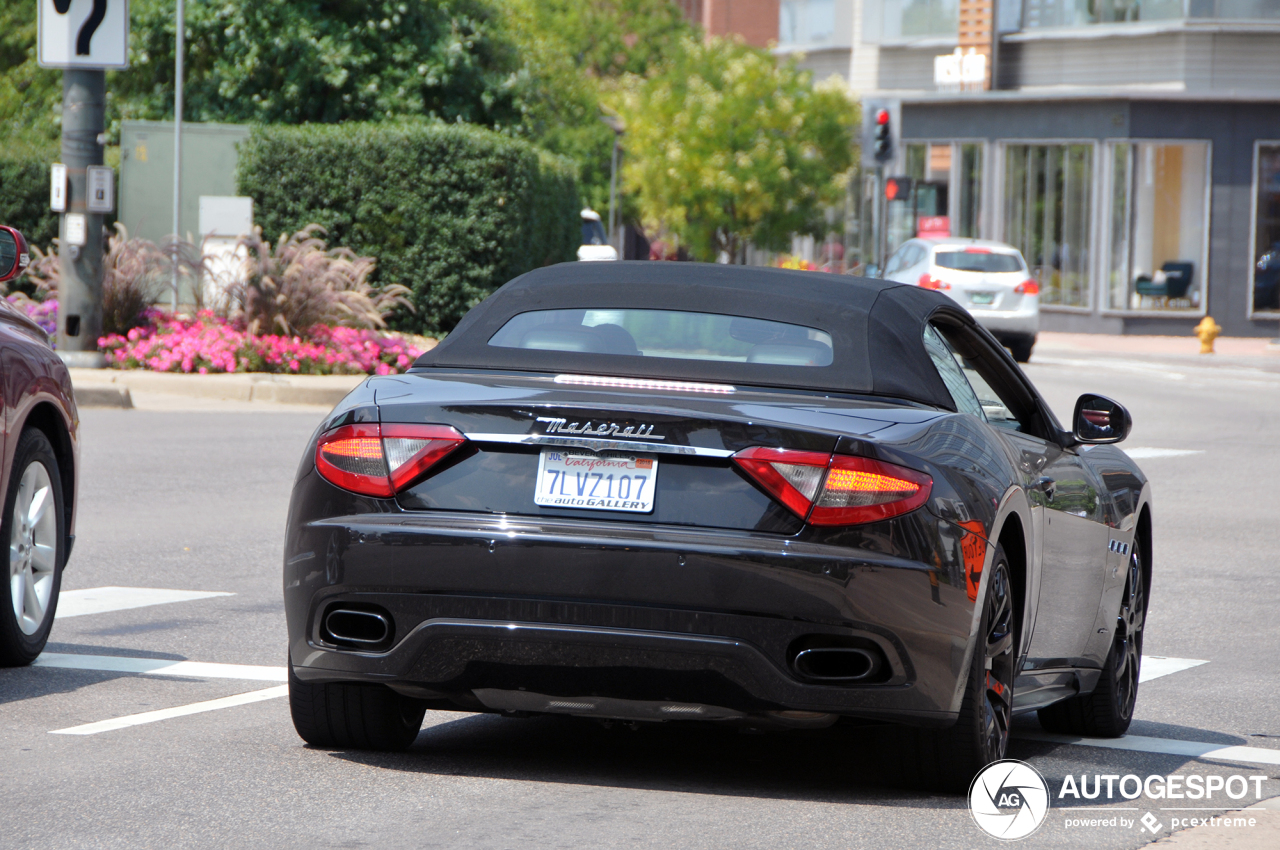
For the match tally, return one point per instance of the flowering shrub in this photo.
(208, 343)
(43, 313)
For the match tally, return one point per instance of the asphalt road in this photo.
(195, 500)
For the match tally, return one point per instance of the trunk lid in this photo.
(512, 419)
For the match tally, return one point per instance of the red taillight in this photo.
(791, 476)
(1027, 287)
(382, 460)
(825, 489)
(928, 281)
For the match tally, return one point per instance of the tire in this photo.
(1108, 711)
(948, 759)
(353, 715)
(1020, 347)
(33, 528)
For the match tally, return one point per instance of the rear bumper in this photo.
(633, 612)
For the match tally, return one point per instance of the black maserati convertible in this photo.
(673, 492)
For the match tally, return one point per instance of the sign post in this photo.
(84, 38)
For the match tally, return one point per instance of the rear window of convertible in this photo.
(667, 333)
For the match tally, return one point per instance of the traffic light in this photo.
(882, 147)
(897, 188)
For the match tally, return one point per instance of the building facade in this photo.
(1129, 148)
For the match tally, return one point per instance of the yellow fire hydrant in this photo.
(1208, 331)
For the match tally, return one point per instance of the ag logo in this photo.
(1009, 799)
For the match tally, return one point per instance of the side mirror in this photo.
(1098, 419)
(871, 270)
(15, 256)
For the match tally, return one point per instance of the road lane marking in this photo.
(100, 600)
(1144, 452)
(178, 711)
(162, 667)
(1165, 746)
(1155, 666)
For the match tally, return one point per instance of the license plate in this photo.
(596, 482)
(982, 297)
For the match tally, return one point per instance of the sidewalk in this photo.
(1183, 352)
(1225, 346)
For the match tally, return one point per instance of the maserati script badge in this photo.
(603, 429)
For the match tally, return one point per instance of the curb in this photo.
(117, 397)
(116, 388)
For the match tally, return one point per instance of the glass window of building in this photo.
(1077, 13)
(947, 182)
(1048, 193)
(1255, 10)
(1158, 226)
(967, 220)
(908, 20)
(1266, 234)
(806, 21)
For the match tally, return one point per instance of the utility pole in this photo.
(81, 189)
(615, 124)
(84, 101)
(179, 49)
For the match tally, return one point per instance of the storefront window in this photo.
(968, 218)
(947, 183)
(1048, 192)
(906, 20)
(1266, 239)
(1158, 226)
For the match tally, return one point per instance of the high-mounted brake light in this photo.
(928, 281)
(826, 489)
(1027, 287)
(382, 460)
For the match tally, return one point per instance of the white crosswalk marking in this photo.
(101, 600)
(178, 711)
(1167, 746)
(1144, 452)
(1155, 666)
(161, 667)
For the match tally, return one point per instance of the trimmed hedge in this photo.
(24, 199)
(450, 211)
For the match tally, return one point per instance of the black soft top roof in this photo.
(875, 325)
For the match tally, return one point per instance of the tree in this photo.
(724, 146)
(573, 54)
(30, 96)
(323, 61)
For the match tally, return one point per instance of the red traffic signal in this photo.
(897, 188)
(882, 116)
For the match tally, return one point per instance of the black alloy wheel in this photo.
(997, 708)
(948, 759)
(1108, 711)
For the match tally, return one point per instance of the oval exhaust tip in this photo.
(836, 664)
(364, 628)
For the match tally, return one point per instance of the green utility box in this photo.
(146, 174)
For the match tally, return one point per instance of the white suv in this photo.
(989, 279)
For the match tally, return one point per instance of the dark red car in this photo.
(39, 454)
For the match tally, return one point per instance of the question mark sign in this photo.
(90, 25)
